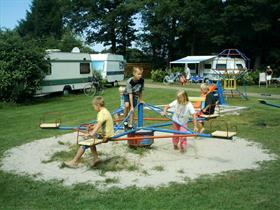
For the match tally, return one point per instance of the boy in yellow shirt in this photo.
(104, 128)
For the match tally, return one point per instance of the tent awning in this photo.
(194, 59)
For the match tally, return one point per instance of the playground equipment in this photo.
(268, 103)
(143, 135)
(230, 76)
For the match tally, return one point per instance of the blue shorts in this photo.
(135, 99)
(97, 136)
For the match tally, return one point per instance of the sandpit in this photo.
(155, 167)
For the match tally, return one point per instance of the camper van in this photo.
(110, 66)
(211, 67)
(67, 71)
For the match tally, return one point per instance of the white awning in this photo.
(194, 59)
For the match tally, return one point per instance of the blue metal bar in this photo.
(268, 103)
(159, 125)
(220, 92)
(169, 118)
(124, 120)
(126, 132)
(140, 114)
(72, 127)
(156, 107)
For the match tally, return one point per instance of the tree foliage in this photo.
(104, 21)
(22, 67)
(173, 29)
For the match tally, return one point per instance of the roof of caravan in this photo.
(106, 56)
(194, 59)
(68, 56)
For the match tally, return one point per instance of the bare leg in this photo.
(131, 118)
(126, 109)
(75, 161)
(95, 155)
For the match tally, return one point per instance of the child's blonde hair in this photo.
(182, 97)
(204, 86)
(137, 68)
(121, 89)
(98, 101)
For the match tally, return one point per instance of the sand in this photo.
(159, 166)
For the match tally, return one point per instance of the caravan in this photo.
(67, 71)
(213, 67)
(74, 70)
(110, 66)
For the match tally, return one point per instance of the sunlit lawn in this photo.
(250, 189)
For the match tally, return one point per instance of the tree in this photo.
(45, 19)
(22, 67)
(104, 21)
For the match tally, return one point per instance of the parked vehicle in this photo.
(171, 78)
(67, 71)
(110, 66)
(213, 67)
(74, 70)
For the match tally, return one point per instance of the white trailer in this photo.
(67, 71)
(110, 66)
(210, 67)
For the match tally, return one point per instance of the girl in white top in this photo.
(183, 110)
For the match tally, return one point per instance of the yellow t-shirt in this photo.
(107, 126)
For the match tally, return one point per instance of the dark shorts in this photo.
(135, 99)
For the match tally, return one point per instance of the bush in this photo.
(22, 67)
(250, 78)
(158, 75)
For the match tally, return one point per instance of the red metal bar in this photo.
(153, 137)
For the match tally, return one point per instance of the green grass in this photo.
(272, 89)
(249, 189)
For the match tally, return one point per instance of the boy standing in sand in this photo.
(133, 93)
(102, 129)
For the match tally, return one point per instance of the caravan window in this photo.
(239, 66)
(207, 66)
(98, 66)
(221, 66)
(84, 68)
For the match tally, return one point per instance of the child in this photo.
(203, 93)
(102, 129)
(183, 110)
(183, 79)
(120, 110)
(133, 93)
(210, 104)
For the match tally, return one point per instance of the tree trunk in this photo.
(193, 44)
(113, 40)
(257, 62)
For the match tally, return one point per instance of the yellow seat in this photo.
(49, 125)
(91, 142)
(223, 134)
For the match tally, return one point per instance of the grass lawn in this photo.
(250, 189)
(272, 89)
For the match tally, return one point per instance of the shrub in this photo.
(250, 78)
(22, 67)
(158, 75)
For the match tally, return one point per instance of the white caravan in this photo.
(210, 67)
(110, 66)
(68, 71)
